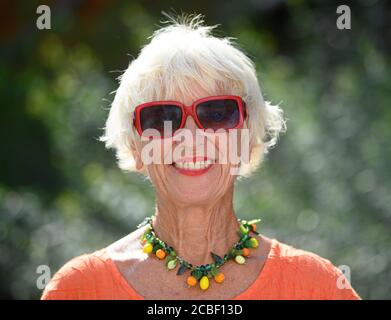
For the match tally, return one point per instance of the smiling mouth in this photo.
(191, 168)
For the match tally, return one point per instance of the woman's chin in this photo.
(193, 185)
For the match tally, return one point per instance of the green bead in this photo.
(243, 229)
(171, 264)
(253, 242)
(197, 273)
(240, 259)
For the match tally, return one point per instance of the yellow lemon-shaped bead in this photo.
(204, 283)
(254, 242)
(147, 248)
(240, 259)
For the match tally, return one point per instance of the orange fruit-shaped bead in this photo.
(191, 281)
(219, 278)
(254, 227)
(246, 252)
(160, 254)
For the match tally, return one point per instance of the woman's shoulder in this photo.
(78, 277)
(94, 275)
(309, 272)
(294, 257)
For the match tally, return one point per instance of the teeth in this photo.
(193, 165)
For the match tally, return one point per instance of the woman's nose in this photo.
(190, 125)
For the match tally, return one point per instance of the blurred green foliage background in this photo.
(325, 188)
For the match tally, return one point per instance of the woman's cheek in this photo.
(226, 179)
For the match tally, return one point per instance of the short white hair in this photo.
(180, 59)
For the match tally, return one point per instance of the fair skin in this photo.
(194, 215)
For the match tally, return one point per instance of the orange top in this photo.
(288, 273)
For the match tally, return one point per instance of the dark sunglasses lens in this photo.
(153, 117)
(218, 114)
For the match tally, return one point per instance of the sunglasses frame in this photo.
(191, 111)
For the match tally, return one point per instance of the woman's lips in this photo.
(193, 168)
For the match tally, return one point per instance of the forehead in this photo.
(195, 93)
(189, 91)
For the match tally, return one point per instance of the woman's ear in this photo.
(136, 156)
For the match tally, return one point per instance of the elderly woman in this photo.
(187, 83)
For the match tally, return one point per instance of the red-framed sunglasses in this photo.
(216, 112)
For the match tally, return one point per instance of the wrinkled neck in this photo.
(194, 231)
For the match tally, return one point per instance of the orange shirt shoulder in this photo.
(288, 273)
(294, 274)
(86, 277)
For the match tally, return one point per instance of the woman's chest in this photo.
(152, 280)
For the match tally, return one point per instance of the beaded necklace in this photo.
(201, 274)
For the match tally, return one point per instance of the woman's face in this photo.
(197, 173)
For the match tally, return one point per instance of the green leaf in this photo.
(197, 273)
(144, 222)
(243, 229)
(216, 258)
(214, 271)
(156, 247)
(162, 244)
(144, 235)
(168, 258)
(181, 269)
(253, 221)
(248, 244)
(237, 252)
(244, 238)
